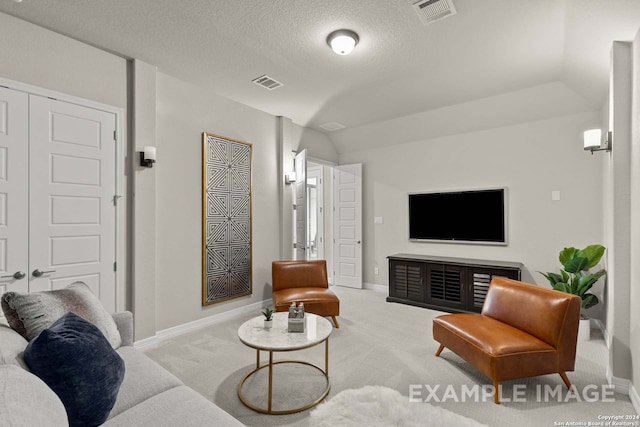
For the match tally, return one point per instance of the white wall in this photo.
(168, 227)
(530, 159)
(33, 55)
(634, 324)
(144, 213)
(184, 111)
(618, 218)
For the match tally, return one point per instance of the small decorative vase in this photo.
(268, 324)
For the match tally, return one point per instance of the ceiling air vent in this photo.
(267, 82)
(430, 11)
(331, 126)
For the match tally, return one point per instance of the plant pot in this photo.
(584, 330)
(268, 324)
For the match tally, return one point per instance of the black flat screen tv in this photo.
(476, 216)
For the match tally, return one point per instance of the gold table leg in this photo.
(269, 365)
(326, 357)
(270, 381)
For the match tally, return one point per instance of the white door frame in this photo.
(120, 176)
(317, 171)
(300, 205)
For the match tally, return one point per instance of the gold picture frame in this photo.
(226, 218)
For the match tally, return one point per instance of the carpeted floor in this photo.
(387, 344)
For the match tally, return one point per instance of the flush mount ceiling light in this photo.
(342, 41)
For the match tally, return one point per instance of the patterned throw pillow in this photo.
(30, 313)
(77, 362)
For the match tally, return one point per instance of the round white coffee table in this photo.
(253, 334)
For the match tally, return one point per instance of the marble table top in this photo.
(252, 333)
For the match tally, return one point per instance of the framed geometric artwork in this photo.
(226, 219)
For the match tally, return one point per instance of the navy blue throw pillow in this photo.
(77, 362)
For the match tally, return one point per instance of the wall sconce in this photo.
(342, 42)
(593, 140)
(148, 157)
(289, 178)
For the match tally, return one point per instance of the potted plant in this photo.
(575, 277)
(268, 317)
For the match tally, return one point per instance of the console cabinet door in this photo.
(407, 280)
(479, 280)
(446, 286)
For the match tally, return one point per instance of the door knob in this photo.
(17, 275)
(37, 272)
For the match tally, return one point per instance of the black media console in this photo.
(445, 283)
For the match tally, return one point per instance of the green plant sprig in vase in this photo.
(575, 278)
(268, 313)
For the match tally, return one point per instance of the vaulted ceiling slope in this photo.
(401, 68)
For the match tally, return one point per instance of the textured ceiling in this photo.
(399, 68)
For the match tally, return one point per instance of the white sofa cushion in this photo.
(179, 406)
(27, 401)
(12, 346)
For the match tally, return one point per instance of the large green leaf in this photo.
(589, 300)
(594, 254)
(562, 287)
(586, 282)
(574, 278)
(576, 264)
(567, 254)
(553, 278)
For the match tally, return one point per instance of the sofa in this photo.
(148, 395)
(523, 331)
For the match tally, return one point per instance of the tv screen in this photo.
(458, 216)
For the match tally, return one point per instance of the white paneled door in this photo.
(347, 192)
(57, 188)
(14, 191)
(71, 204)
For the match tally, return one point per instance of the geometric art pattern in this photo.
(226, 219)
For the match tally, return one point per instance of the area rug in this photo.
(381, 406)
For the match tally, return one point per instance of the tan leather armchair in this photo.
(307, 282)
(523, 331)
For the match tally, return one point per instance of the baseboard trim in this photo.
(195, 325)
(620, 385)
(375, 287)
(635, 398)
(598, 324)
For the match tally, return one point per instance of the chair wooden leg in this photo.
(565, 379)
(496, 395)
(439, 350)
(335, 322)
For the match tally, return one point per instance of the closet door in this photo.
(14, 191)
(72, 187)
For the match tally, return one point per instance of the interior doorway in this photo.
(313, 222)
(319, 207)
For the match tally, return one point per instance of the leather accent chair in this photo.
(523, 331)
(307, 282)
